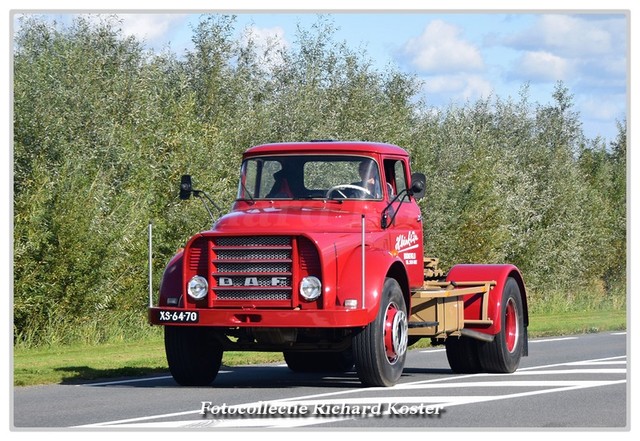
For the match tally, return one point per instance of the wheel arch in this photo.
(499, 273)
(398, 272)
(517, 276)
(171, 284)
(379, 265)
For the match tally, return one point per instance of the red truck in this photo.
(321, 258)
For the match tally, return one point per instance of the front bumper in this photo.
(233, 318)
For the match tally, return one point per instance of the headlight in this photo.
(310, 288)
(197, 287)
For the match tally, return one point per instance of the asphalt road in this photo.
(569, 382)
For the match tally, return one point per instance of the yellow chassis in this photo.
(437, 308)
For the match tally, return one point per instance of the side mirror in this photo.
(418, 185)
(185, 187)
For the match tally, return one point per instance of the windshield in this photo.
(309, 177)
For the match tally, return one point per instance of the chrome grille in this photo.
(253, 241)
(254, 295)
(252, 268)
(254, 254)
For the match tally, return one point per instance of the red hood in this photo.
(295, 219)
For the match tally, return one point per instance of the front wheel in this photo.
(193, 354)
(503, 354)
(380, 349)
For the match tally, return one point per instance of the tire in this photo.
(319, 361)
(503, 354)
(193, 355)
(380, 349)
(462, 354)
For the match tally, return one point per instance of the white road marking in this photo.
(234, 423)
(596, 363)
(164, 377)
(530, 341)
(134, 380)
(444, 402)
(596, 360)
(389, 398)
(572, 371)
(547, 340)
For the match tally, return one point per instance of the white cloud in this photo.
(457, 88)
(264, 37)
(542, 66)
(149, 26)
(586, 51)
(269, 44)
(440, 48)
(571, 35)
(603, 108)
(477, 87)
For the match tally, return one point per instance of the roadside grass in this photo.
(77, 363)
(577, 323)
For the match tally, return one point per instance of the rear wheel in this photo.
(193, 354)
(381, 348)
(503, 354)
(319, 361)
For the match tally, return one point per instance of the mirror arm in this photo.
(186, 190)
(200, 194)
(385, 223)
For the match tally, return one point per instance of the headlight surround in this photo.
(197, 287)
(310, 288)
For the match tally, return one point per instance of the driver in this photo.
(369, 178)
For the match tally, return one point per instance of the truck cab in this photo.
(321, 258)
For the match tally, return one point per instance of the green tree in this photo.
(103, 130)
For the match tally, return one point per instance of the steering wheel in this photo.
(338, 188)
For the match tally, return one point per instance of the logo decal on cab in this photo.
(406, 243)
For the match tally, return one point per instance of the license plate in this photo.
(178, 316)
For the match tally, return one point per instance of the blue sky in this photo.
(460, 56)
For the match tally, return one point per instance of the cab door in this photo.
(404, 219)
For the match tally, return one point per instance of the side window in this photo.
(395, 176)
(401, 182)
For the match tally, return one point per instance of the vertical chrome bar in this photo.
(363, 266)
(150, 265)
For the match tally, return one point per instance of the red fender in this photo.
(378, 263)
(171, 285)
(473, 302)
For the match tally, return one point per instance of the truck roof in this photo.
(327, 146)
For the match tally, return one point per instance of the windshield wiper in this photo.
(247, 192)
